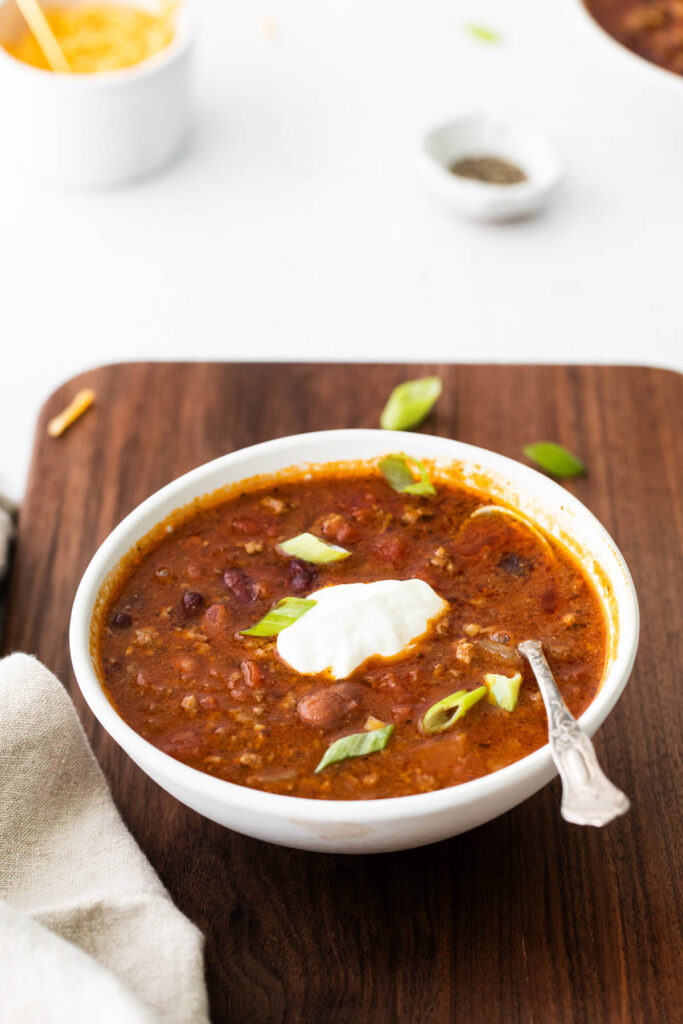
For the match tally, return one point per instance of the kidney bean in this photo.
(192, 601)
(301, 576)
(239, 583)
(391, 549)
(252, 674)
(122, 620)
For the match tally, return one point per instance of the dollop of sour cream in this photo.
(352, 622)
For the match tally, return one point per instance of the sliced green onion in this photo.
(503, 690)
(554, 459)
(409, 403)
(438, 718)
(397, 473)
(356, 745)
(310, 548)
(278, 618)
(484, 34)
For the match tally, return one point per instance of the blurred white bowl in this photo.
(95, 129)
(482, 134)
(366, 826)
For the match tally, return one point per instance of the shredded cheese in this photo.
(83, 400)
(101, 37)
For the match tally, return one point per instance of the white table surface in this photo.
(296, 226)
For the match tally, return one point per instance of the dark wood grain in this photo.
(524, 920)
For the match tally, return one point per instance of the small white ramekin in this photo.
(100, 129)
(479, 133)
(366, 826)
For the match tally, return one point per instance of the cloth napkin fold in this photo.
(87, 931)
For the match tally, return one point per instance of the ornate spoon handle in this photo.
(588, 797)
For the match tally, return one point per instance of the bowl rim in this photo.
(183, 39)
(600, 35)
(160, 765)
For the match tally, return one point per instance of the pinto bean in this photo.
(339, 530)
(215, 619)
(328, 707)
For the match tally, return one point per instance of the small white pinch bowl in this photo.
(96, 129)
(479, 134)
(366, 826)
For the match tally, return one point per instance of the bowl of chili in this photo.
(178, 627)
(647, 33)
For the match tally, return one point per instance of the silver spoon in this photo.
(588, 797)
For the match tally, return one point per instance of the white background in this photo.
(296, 226)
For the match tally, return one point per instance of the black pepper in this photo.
(492, 170)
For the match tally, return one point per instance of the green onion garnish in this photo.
(310, 548)
(278, 618)
(503, 690)
(437, 718)
(554, 459)
(409, 403)
(356, 745)
(483, 34)
(396, 471)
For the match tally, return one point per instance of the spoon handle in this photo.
(588, 797)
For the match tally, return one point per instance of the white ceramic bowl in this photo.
(484, 134)
(98, 129)
(601, 38)
(366, 826)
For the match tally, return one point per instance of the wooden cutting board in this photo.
(526, 919)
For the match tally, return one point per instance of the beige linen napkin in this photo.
(87, 931)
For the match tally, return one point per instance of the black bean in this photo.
(192, 601)
(301, 576)
(122, 620)
(514, 565)
(239, 583)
